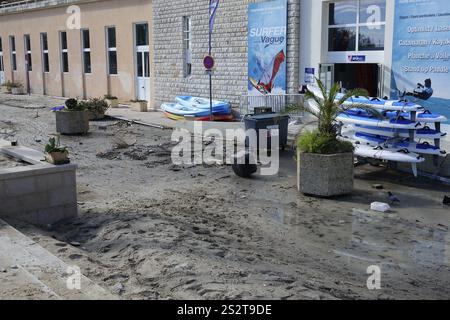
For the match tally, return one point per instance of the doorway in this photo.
(142, 61)
(366, 76)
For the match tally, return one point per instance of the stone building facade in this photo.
(229, 49)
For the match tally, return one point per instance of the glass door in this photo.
(142, 61)
(326, 75)
(2, 70)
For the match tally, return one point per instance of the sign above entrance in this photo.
(357, 58)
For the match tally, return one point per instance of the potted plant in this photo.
(15, 88)
(55, 154)
(139, 105)
(112, 101)
(73, 119)
(95, 108)
(325, 163)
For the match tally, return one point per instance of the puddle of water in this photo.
(380, 238)
(388, 238)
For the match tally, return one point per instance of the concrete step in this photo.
(28, 271)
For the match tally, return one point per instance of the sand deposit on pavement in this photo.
(151, 230)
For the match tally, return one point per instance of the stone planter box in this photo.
(18, 91)
(72, 122)
(40, 193)
(140, 106)
(112, 103)
(57, 158)
(325, 175)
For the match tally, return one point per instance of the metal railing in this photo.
(17, 4)
(278, 103)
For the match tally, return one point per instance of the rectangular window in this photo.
(64, 52)
(44, 48)
(187, 47)
(12, 45)
(357, 25)
(142, 35)
(28, 61)
(112, 50)
(86, 45)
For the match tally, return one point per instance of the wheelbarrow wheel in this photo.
(244, 169)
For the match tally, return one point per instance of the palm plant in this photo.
(326, 109)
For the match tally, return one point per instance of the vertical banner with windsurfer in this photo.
(267, 37)
(421, 54)
(213, 6)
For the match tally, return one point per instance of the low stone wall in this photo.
(41, 194)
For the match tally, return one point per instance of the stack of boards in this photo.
(401, 132)
(196, 109)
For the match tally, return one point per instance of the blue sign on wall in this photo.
(421, 53)
(267, 37)
(357, 58)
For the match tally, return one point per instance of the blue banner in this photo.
(267, 37)
(213, 6)
(421, 52)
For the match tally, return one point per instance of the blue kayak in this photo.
(422, 148)
(382, 104)
(178, 109)
(380, 123)
(201, 103)
(424, 133)
(425, 117)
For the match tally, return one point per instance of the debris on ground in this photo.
(124, 141)
(380, 207)
(446, 201)
(139, 154)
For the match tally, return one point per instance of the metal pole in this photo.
(211, 117)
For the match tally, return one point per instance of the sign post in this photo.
(208, 62)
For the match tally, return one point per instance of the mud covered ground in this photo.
(151, 230)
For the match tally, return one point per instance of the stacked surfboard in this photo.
(197, 109)
(400, 132)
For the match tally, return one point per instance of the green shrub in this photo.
(315, 142)
(96, 106)
(9, 85)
